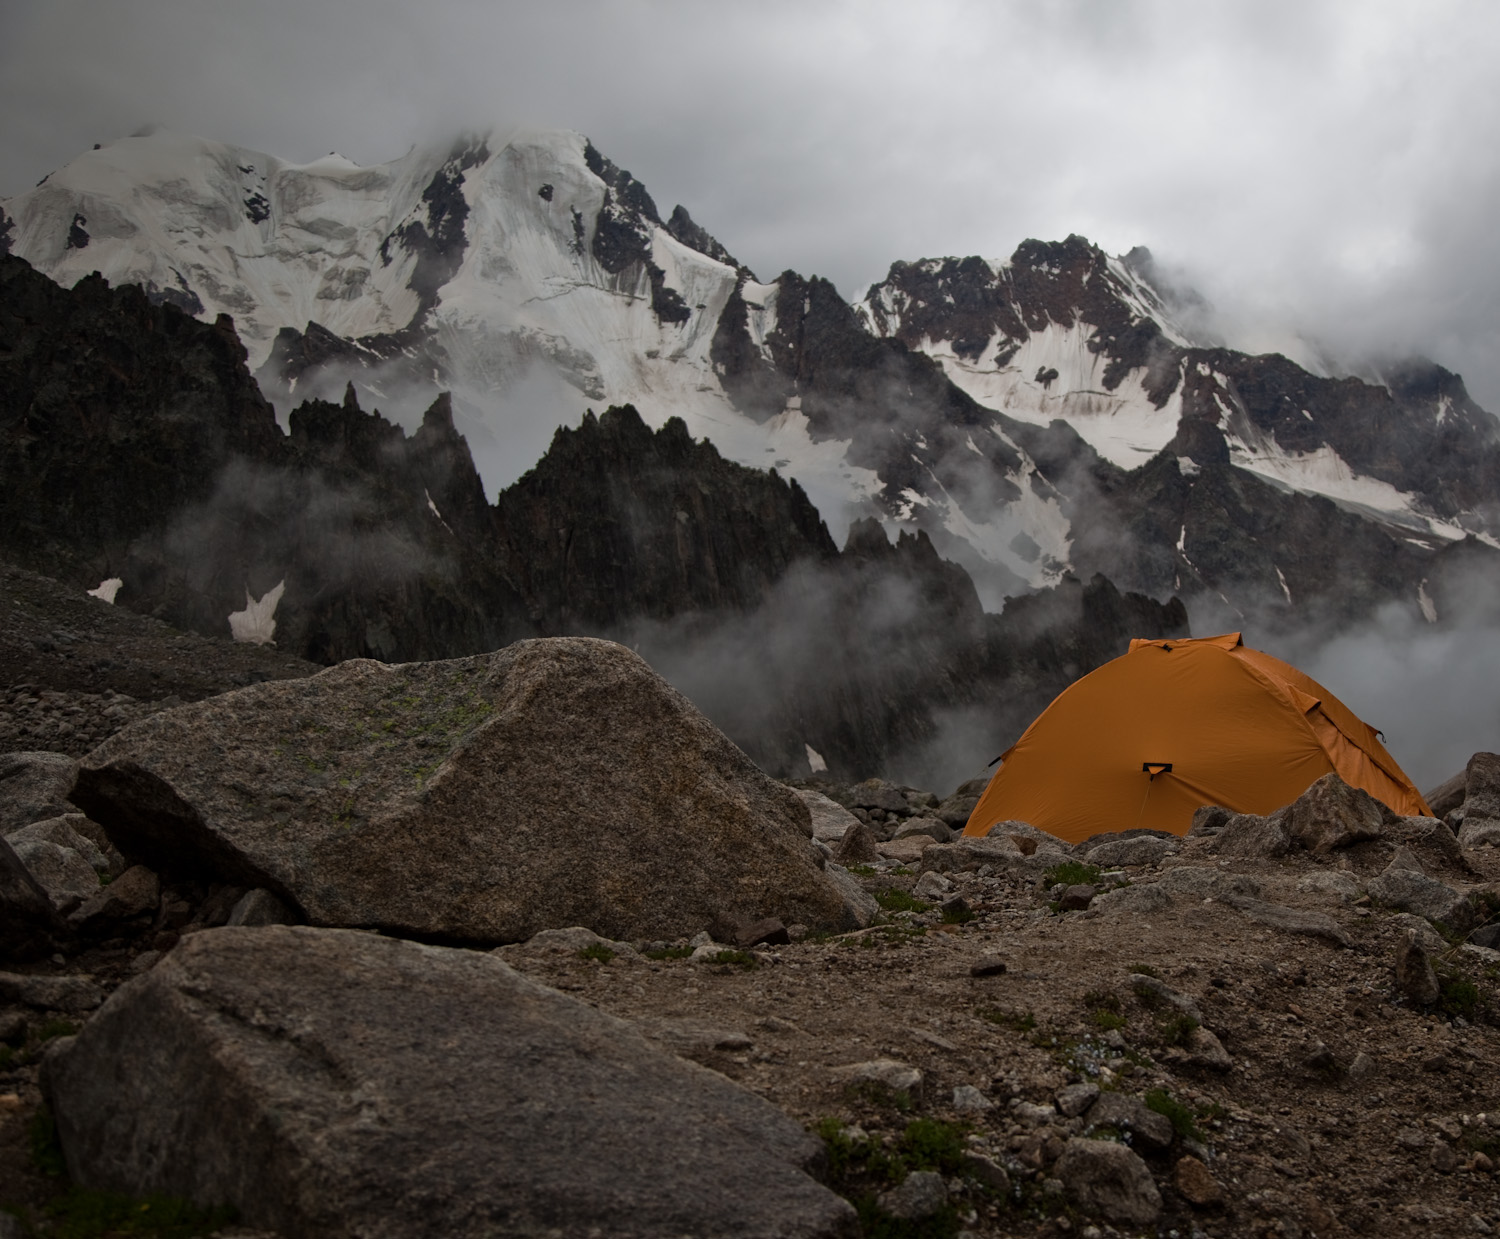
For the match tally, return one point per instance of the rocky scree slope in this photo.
(1284, 1023)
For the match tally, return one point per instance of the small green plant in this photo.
(1144, 970)
(1016, 1021)
(81, 1213)
(863, 871)
(1105, 1010)
(742, 959)
(596, 950)
(931, 1144)
(670, 952)
(894, 899)
(1457, 995)
(46, 1149)
(960, 914)
(1106, 1021)
(860, 1170)
(1177, 1030)
(1072, 873)
(1175, 1112)
(879, 1096)
(56, 1027)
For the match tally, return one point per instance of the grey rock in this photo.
(921, 1194)
(1487, 936)
(65, 832)
(135, 893)
(1415, 977)
(695, 1039)
(1024, 835)
(260, 907)
(33, 787)
(1075, 1099)
(897, 1076)
(932, 827)
(1205, 1050)
(857, 847)
(1329, 882)
(859, 904)
(1208, 820)
(13, 1027)
(1077, 898)
(1155, 991)
(987, 966)
(959, 807)
(987, 1171)
(329, 1082)
(28, 921)
(67, 877)
(1425, 935)
(1434, 842)
(932, 885)
(554, 782)
(967, 1097)
(1253, 837)
(1330, 814)
(1444, 1159)
(1290, 920)
(10, 1227)
(1108, 1179)
(1482, 786)
(1361, 1066)
(1141, 899)
(1196, 1185)
(1208, 882)
(1479, 831)
(67, 993)
(1141, 850)
(568, 941)
(1316, 1056)
(829, 818)
(1447, 795)
(968, 853)
(1149, 1130)
(1411, 891)
(878, 794)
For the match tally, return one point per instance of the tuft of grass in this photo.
(1072, 873)
(1177, 1030)
(894, 899)
(859, 1171)
(1181, 1118)
(670, 952)
(1105, 1010)
(81, 1213)
(742, 959)
(56, 1027)
(880, 1096)
(1457, 995)
(1016, 1021)
(863, 871)
(1144, 970)
(596, 950)
(1106, 1021)
(46, 1149)
(932, 1144)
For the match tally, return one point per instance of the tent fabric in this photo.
(1149, 738)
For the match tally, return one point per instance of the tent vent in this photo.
(1154, 768)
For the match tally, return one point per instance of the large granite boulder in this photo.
(552, 783)
(332, 1083)
(1330, 814)
(28, 920)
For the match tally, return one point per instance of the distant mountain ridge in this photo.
(1038, 416)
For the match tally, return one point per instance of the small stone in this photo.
(987, 966)
(1207, 1051)
(145, 961)
(135, 893)
(1075, 1099)
(932, 885)
(1361, 1067)
(921, 1194)
(988, 1172)
(1415, 977)
(1484, 1162)
(12, 1027)
(1153, 990)
(1108, 1178)
(767, 932)
(896, 1076)
(1077, 898)
(967, 1097)
(1317, 1057)
(1412, 1138)
(1444, 1159)
(857, 847)
(956, 909)
(1152, 1131)
(260, 907)
(1196, 1185)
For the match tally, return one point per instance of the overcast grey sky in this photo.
(1329, 168)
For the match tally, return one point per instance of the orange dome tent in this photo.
(1173, 725)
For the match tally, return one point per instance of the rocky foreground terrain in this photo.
(520, 944)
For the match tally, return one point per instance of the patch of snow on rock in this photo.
(107, 590)
(256, 624)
